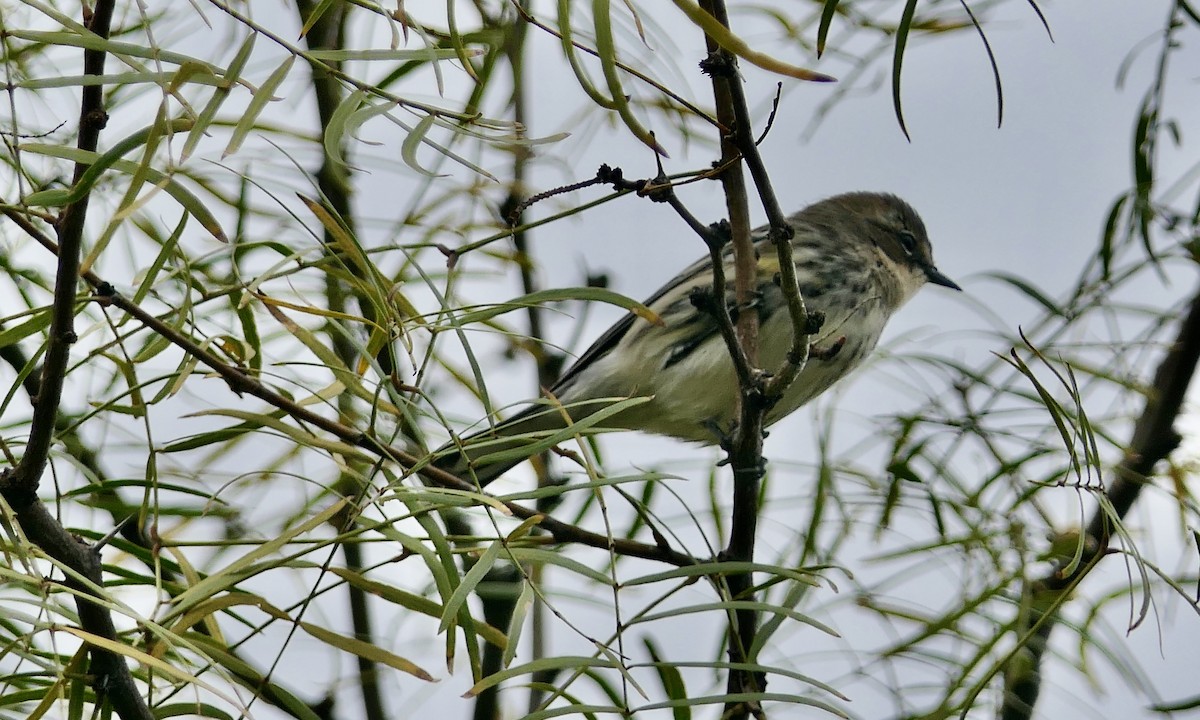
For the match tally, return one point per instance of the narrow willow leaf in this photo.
(366, 650)
(213, 606)
(196, 709)
(516, 623)
(562, 662)
(38, 321)
(216, 437)
(232, 74)
(607, 52)
(1030, 291)
(721, 568)
(827, 14)
(735, 698)
(128, 651)
(408, 151)
(1052, 407)
(131, 78)
(550, 557)
(55, 198)
(244, 566)
(586, 294)
(987, 46)
(1108, 240)
(732, 605)
(579, 427)
(315, 16)
(362, 115)
(902, 30)
(150, 274)
(468, 584)
(336, 129)
(90, 41)
(568, 47)
(424, 54)
(250, 336)
(411, 601)
(734, 44)
(1046, 24)
(670, 678)
(456, 41)
(96, 163)
(249, 677)
(298, 435)
(258, 103)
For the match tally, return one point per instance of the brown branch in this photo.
(745, 447)
(111, 678)
(757, 395)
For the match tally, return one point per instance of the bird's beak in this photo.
(937, 278)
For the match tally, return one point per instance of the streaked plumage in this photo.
(859, 257)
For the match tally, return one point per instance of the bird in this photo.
(859, 257)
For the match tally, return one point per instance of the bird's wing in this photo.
(612, 336)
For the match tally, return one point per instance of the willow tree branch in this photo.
(111, 678)
(745, 448)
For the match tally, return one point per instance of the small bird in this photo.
(859, 257)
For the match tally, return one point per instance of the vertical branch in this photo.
(333, 178)
(502, 586)
(112, 680)
(1154, 439)
(745, 451)
(759, 391)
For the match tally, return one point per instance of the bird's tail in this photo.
(488, 454)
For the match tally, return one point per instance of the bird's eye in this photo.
(908, 241)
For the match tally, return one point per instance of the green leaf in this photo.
(38, 321)
(258, 103)
(902, 30)
(57, 198)
(412, 141)
(206, 116)
(606, 50)
(827, 14)
(196, 709)
(516, 624)
(670, 678)
(315, 16)
(423, 54)
(247, 565)
(468, 584)
(587, 294)
(1030, 291)
(96, 163)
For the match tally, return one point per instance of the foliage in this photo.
(295, 268)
